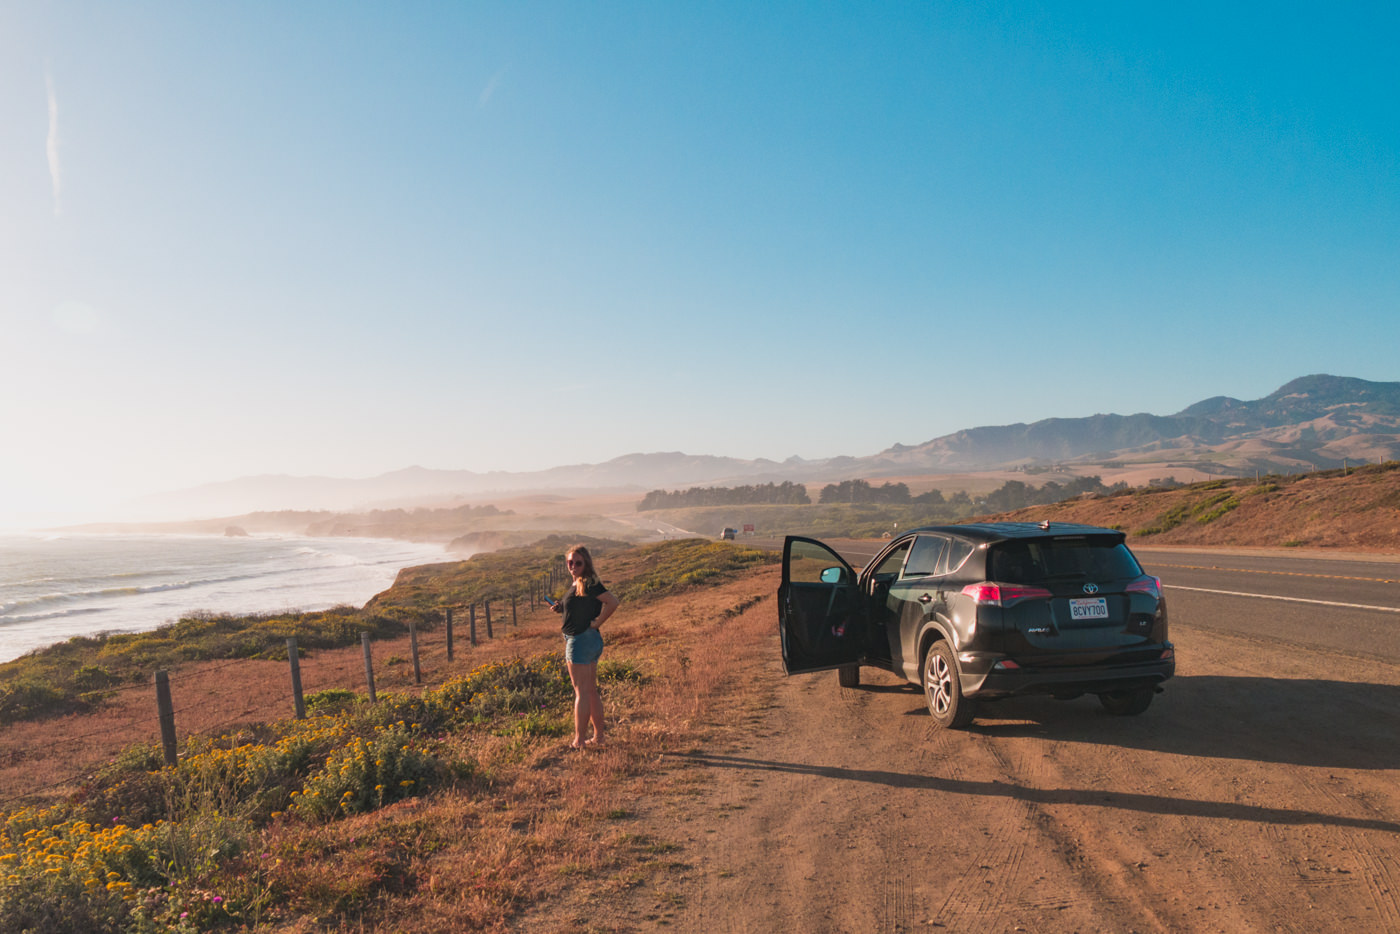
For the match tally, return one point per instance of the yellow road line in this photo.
(1216, 567)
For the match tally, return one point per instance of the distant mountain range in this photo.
(1310, 423)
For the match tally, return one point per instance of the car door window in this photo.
(810, 562)
(888, 568)
(924, 558)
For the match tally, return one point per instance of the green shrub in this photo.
(369, 773)
(29, 700)
(329, 701)
(620, 671)
(1220, 509)
(64, 874)
(538, 723)
(94, 678)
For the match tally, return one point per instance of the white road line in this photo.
(1270, 596)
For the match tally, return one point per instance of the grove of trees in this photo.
(1014, 494)
(765, 494)
(860, 491)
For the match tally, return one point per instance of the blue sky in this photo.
(344, 238)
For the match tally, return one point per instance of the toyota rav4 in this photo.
(980, 612)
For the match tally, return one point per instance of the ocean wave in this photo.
(8, 620)
(106, 592)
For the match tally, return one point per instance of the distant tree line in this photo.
(860, 491)
(1014, 494)
(764, 494)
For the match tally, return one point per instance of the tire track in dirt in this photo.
(1091, 882)
(1380, 876)
(974, 902)
(1345, 858)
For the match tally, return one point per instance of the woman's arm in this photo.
(609, 603)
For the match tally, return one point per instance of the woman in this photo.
(585, 607)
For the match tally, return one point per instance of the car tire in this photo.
(1127, 703)
(848, 676)
(943, 689)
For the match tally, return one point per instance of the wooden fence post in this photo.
(473, 615)
(489, 633)
(513, 620)
(413, 643)
(166, 710)
(369, 667)
(298, 703)
(449, 634)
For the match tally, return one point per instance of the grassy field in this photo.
(446, 807)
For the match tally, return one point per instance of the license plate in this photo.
(1092, 608)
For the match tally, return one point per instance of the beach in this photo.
(54, 586)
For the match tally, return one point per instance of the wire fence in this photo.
(41, 760)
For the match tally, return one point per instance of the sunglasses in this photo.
(573, 564)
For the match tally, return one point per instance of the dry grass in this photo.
(539, 830)
(1358, 510)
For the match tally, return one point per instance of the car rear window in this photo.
(1064, 559)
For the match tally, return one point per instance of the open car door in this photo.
(820, 619)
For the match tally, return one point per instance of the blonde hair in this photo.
(589, 576)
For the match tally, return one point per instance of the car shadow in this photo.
(1298, 721)
(1099, 798)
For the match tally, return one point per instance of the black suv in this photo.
(982, 611)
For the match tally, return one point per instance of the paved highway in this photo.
(1341, 603)
(1347, 604)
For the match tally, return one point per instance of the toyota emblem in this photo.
(1091, 588)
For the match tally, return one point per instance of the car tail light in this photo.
(1149, 585)
(1005, 594)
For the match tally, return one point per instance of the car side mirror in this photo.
(833, 575)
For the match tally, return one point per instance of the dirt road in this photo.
(1259, 793)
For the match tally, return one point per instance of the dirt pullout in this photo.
(1259, 793)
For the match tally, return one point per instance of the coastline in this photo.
(55, 585)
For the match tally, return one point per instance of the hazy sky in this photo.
(343, 238)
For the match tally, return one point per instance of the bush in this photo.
(65, 874)
(29, 700)
(368, 774)
(330, 701)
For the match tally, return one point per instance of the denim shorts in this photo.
(584, 648)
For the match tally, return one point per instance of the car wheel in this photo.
(1127, 703)
(942, 689)
(848, 676)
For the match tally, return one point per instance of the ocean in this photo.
(55, 586)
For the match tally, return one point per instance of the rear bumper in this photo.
(981, 677)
